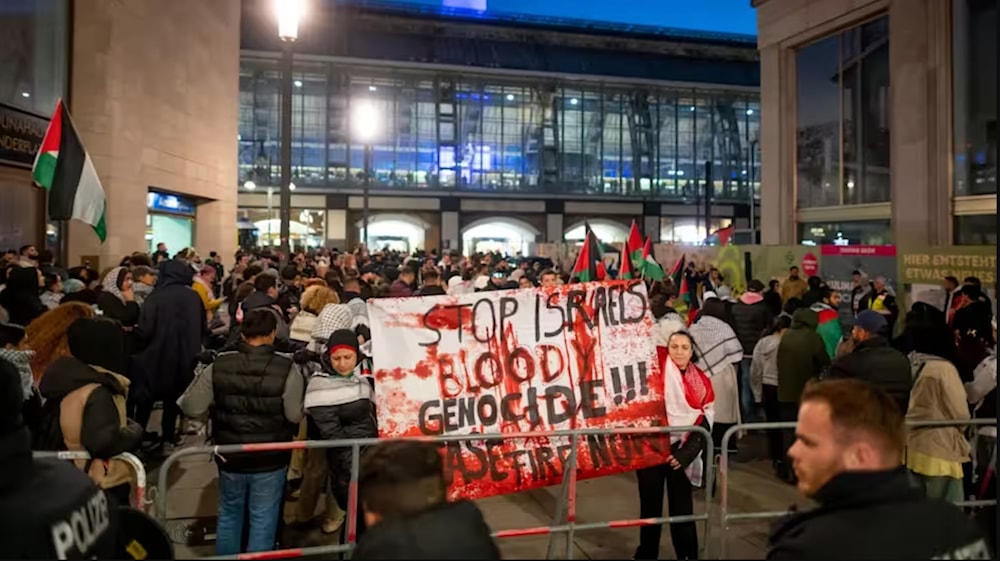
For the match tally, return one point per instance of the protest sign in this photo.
(575, 356)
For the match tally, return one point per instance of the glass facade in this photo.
(842, 118)
(974, 79)
(34, 56)
(859, 232)
(976, 229)
(440, 131)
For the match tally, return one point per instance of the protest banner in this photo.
(575, 356)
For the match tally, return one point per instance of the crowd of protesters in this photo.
(276, 349)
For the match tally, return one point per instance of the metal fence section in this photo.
(130, 459)
(725, 517)
(564, 518)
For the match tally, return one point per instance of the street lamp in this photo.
(289, 14)
(364, 125)
(753, 203)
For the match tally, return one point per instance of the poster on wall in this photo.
(773, 262)
(923, 270)
(531, 360)
(837, 268)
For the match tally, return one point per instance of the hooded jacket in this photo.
(876, 362)
(801, 356)
(764, 366)
(90, 404)
(172, 326)
(20, 296)
(938, 395)
(876, 515)
(446, 531)
(751, 316)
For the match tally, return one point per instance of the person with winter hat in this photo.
(874, 360)
(339, 399)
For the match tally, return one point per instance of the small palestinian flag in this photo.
(627, 271)
(63, 168)
(590, 262)
(679, 278)
(725, 234)
(648, 265)
(634, 248)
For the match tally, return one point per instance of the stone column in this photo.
(154, 121)
(450, 236)
(777, 114)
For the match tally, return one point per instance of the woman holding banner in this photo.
(690, 402)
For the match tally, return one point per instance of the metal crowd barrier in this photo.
(725, 517)
(565, 513)
(130, 459)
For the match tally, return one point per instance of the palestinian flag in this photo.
(63, 168)
(627, 271)
(648, 265)
(590, 262)
(724, 234)
(679, 278)
(634, 247)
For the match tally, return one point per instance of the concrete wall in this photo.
(920, 74)
(154, 93)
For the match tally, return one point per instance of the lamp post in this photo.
(753, 203)
(289, 14)
(364, 124)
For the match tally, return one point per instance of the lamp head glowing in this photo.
(290, 13)
(364, 122)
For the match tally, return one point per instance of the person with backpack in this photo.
(84, 410)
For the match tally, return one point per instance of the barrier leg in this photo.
(724, 493)
(352, 496)
(571, 497)
(561, 514)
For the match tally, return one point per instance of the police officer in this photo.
(49, 509)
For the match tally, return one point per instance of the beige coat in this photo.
(105, 473)
(937, 395)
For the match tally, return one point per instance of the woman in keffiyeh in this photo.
(720, 354)
(689, 401)
(117, 299)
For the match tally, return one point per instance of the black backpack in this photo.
(46, 434)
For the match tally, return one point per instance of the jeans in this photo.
(748, 411)
(259, 493)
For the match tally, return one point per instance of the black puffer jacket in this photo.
(249, 407)
(749, 323)
(876, 515)
(446, 531)
(877, 363)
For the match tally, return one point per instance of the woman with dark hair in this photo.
(21, 296)
(52, 294)
(690, 401)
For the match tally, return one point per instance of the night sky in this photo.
(730, 16)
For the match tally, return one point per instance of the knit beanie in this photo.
(98, 342)
(341, 339)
